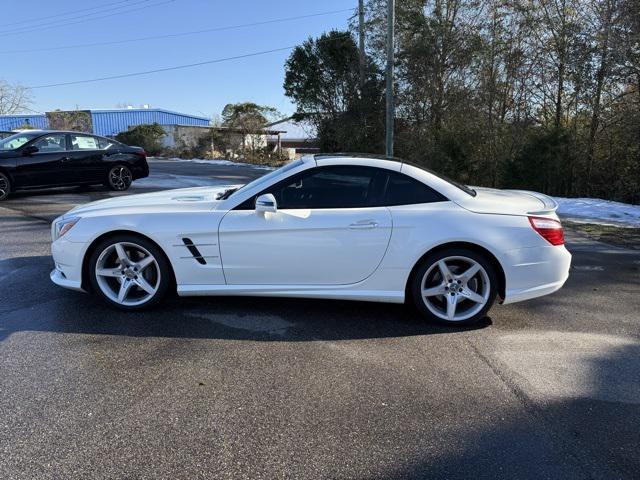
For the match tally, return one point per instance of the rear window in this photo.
(404, 190)
(106, 143)
(83, 142)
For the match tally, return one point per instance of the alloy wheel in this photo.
(120, 178)
(5, 188)
(455, 288)
(128, 274)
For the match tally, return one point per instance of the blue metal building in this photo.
(111, 122)
(12, 122)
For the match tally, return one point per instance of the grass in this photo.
(618, 236)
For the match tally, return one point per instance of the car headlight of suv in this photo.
(62, 226)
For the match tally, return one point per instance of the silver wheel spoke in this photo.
(468, 274)
(125, 287)
(471, 295)
(145, 262)
(452, 301)
(434, 291)
(146, 286)
(122, 254)
(109, 272)
(444, 270)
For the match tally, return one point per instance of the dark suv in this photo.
(46, 158)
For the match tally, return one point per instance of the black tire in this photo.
(484, 286)
(119, 178)
(164, 279)
(5, 186)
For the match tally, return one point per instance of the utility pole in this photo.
(390, 53)
(361, 42)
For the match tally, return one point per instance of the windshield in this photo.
(16, 141)
(269, 176)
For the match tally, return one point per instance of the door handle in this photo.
(364, 225)
(66, 159)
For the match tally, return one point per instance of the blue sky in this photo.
(199, 90)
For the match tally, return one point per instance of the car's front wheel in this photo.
(5, 186)
(129, 272)
(119, 178)
(454, 286)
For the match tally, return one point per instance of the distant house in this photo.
(101, 122)
(236, 140)
(298, 137)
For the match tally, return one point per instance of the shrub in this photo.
(146, 136)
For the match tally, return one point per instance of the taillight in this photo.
(142, 153)
(549, 229)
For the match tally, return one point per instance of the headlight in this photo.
(63, 226)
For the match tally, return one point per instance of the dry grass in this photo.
(618, 236)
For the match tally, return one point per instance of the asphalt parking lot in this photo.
(274, 388)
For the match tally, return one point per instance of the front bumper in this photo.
(67, 257)
(534, 272)
(58, 277)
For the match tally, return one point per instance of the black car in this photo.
(45, 158)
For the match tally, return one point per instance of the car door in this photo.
(85, 163)
(45, 166)
(326, 231)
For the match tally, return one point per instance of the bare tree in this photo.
(14, 98)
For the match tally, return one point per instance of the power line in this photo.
(180, 34)
(64, 14)
(54, 23)
(30, 29)
(166, 69)
(176, 67)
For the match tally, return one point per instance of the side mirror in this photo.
(266, 203)
(30, 150)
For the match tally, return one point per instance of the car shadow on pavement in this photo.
(592, 433)
(42, 306)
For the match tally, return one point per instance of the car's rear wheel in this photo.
(454, 286)
(5, 186)
(119, 178)
(129, 272)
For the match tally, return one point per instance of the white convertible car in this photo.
(326, 226)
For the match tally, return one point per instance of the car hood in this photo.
(509, 202)
(167, 201)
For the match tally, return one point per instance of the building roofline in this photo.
(22, 115)
(285, 119)
(114, 110)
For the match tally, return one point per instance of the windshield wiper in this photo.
(226, 194)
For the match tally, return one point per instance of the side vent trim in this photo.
(194, 251)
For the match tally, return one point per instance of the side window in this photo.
(51, 144)
(105, 143)
(329, 187)
(404, 190)
(84, 142)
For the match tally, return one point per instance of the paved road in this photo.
(272, 388)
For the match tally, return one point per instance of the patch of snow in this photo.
(218, 161)
(595, 210)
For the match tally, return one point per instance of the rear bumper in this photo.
(140, 170)
(534, 272)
